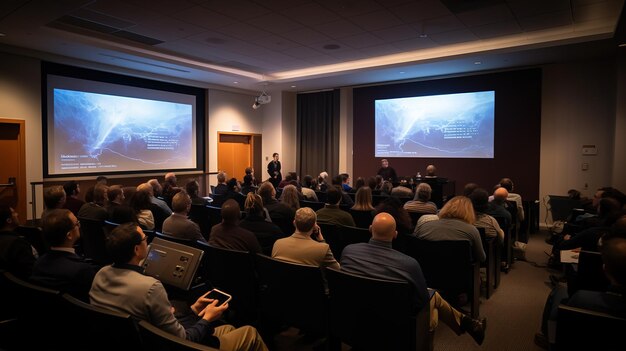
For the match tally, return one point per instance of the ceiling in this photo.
(302, 45)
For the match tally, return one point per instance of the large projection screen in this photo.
(100, 127)
(437, 126)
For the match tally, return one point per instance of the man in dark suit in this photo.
(273, 169)
(229, 235)
(60, 268)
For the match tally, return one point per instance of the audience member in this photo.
(480, 202)
(497, 207)
(290, 197)
(60, 268)
(170, 186)
(249, 171)
(122, 287)
(308, 188)
(232, 192)
(248, 185)
(155, 193)
(456, 222)
(277, 210)
(345, 182)
(72, 202)
(306, 245)
(96, 210)
(360, 182)
(221, 188)
(178, 224)
(421, 202)
(394, 207)
(115, 195)
(89, 194)
(193, 188)
(332, 213)
(403, 190)
(345, 198)
(378, 260)
(507, 183)
(469, 188)
(16, 254)
(140, 203)
(54, 197)
(386, 172)
(322, 181)
(229, 235)
(363, 200)
(265, 231)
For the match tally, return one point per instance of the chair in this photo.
(233, 272)
(579, 328)
(285, 224)
(92, 240)
(362, 219)
(175, 239)
(321, 196)
(352, 235)
(215, 215)
(491, 264)
(332, 236)
(415, 216)
(505, 253)
(98, 328)
(292, 294)
(199, 215)
(36, 309)
(34, 235)
(155, 339)
(448, 266)
(375, 314)
(590, 274)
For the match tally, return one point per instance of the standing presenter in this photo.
(273, 169)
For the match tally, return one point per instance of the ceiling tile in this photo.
(310, 14)
(607, 9)
(376, 20)
(494, 30)
(453, 37)
(164, 7)
(166, 28)
(243, 31)
(125, 11)
(305, 36)
(338, 29)
(362, 40)
(531, 8)
(397, 33)
(274, 42)
(417, 11)
(491, 14)
(275, 23)
(415, 44)
(240, 9)
(203, 17)
(545, 21)
(442, 24)
(350, 8)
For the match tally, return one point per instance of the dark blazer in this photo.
(91, 210)
(232, 237)
(273, 169)
(64, 271)
(16, 254)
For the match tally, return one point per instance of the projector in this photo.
(261, 100)
(264, 99)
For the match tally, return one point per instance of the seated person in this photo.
(308, 188)
(72, 202)
(54, 197)
(276, 209)
(332, 213)
(306, 245)
(480, 201)
(421, 202)
(377, 259)
(221, 188)
(122, 287)
(60, 268)
(265, 231)
(16, 254)
(96, 210)
(248, 185)
(456, 222)
(229, 235)
(178, 224)
(193, 188)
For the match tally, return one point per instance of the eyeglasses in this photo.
(77, 224)
(145, 237)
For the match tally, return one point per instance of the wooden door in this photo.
(13, 166)
(234, 154)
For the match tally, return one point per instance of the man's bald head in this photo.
(383, 227)
(501, 194)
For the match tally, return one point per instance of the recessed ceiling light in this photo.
(235, 82)
(478, 62)
(2, 35)
(293, 86)
(402, 72)
(620, 45)
(331, 46)
(423, 35)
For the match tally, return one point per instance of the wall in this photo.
(229, 112)
(578, 109)
(20, 87)
(619, 157)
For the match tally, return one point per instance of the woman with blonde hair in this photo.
(290, 197)
(456, 222)
(362, 210)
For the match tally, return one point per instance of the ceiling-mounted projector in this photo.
(261, 100)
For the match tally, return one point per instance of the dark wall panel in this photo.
(517, 131)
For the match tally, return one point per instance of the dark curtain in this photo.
(318, 133)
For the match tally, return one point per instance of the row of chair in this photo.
(47, 319)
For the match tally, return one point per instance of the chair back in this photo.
(292, 294)
(285, 224)
(233, 272)
(36, 309)
(352, 235)
(155, 339)
(98, 328)
(579, 328)
(332, 236)
(362, 219)
(449, 267)
(415, 216)
(93, 239)
(321, 196)
(200, 215)
(591, 272)
(374, 314)
(34, 235)
(175, 239)
(215, 215)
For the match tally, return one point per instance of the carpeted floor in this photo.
(513, 312)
